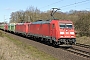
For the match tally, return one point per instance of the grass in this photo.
(1, 34)
(83, 40)
(31, 49)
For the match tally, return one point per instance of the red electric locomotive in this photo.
(58, 32)
(21, 28)
(6, 27)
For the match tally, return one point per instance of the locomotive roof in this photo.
(65, 21)
(41, 22)
(48, 21)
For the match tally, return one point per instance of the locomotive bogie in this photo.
(67, 41)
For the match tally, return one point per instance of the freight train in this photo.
(56, 32)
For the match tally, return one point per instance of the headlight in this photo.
(71, 32)
(61, 32)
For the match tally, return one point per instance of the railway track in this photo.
(79, 52)
(83, 45)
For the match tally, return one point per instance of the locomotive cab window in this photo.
(65, 25)
(69, 25)
(62, 25)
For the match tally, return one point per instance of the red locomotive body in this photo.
(39, 29)
(21, 28)
(6, 27)
(55, 31)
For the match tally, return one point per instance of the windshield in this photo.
(62, 25)
(66, 25)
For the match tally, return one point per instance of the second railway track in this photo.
(83, 45)
(79, 52)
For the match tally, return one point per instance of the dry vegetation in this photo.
(83, 40)
(10, 51)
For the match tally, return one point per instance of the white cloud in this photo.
(9, 8)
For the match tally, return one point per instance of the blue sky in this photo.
(9, 6)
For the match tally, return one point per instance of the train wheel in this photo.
(55, 44)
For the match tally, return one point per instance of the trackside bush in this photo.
(83, 24)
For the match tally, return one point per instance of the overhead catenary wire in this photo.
(66, 5)
(52, 4)
(74, 3)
